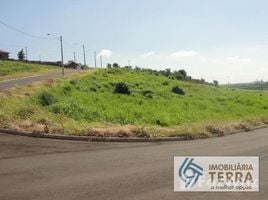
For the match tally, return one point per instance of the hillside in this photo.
(127, 102)
(15, 69)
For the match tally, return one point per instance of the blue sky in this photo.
(209, 38)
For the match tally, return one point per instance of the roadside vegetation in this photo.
(132, 102)
(13, 69)
(255, 86)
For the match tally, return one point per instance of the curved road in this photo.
(34, 168)
(27, 80)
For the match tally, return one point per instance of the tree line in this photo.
(177, 74)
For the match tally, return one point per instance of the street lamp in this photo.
(84, 53)
(61, 48)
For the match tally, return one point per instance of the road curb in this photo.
(116, 139)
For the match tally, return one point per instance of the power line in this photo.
(40, 37)
(34, 36)
(22, 32)
(69, 44)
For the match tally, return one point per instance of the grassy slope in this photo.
(12, 69)
(90, 101)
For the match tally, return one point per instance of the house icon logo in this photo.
(190, 172)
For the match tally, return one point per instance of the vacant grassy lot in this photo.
(91, 105)
(12, 69)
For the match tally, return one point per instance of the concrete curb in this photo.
(115, 139)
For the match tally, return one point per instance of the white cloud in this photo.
(148, 54)
(237, 59)
(184, 54)
(105, 53)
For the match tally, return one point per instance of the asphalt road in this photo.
(27, 80)
(34, 168)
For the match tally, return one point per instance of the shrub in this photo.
(46, 99)
(24, 113)
(147, 93)
(215, 130)
(71, 110)
(106, 85)
(165, 83)
(73, 82)
(160, 123)
(141, 132)
(93, 89)
(67, 89)
(178, 90)
(122, 88)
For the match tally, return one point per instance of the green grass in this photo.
(13, 69)
(80, 105)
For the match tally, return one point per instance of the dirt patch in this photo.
(189, 132)
(28, 126)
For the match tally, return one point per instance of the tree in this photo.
(167, 71)
(202, 80)
(183, 73)
(109, 65)
(128, 67)
(178, 75)
(21, 55)
(216, 83)
(116, 65)
(137, 68)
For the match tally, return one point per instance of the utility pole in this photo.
(128, 63)
(261, 85)
(84, 55)
(61, 48)
(74, 57)
(89, 58)
(26, 53)
(101, 61)
(95, 59)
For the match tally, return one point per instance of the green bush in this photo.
(93, 89)
(160, 123)
(46, 99)
(71, 110)
(73, 82)
(165, 83)
(147, 93)
(178, 90)
(67, 89)
(24, 113)
(121, 88)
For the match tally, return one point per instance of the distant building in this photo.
(4, 55)
(72, 65)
